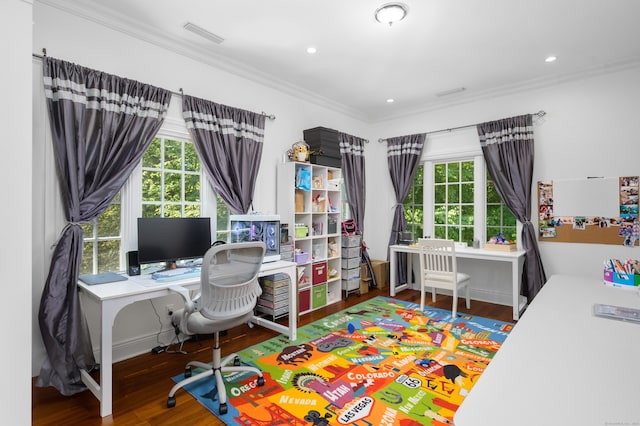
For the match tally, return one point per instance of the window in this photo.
(414, 206)
(171, 179)
(102, 239)
(453, 191)
(499, 217)
(223, 225)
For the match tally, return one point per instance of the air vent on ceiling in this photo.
(451, 92)
(203, 33)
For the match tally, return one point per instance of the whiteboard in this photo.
(587, 197)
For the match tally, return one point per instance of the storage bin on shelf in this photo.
(301, 257)
(351, 241)
(319, 273)
(351, 262)
(301, 231)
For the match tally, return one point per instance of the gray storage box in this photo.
(349, 252)
(351, 241)
(351, 284)
(350, 263)
(347, 274)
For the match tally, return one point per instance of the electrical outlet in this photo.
(169, 310)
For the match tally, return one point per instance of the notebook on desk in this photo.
(105, 277)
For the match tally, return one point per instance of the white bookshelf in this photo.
(318, 211)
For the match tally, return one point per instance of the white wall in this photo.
(15, 215)
(588, 130)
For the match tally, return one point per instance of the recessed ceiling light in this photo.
(311, 50)
(550, 59)
(390, 13)
(390, 100)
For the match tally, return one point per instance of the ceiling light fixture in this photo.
(390, 13)
(390, 100)
(311, 50)
(550, 59)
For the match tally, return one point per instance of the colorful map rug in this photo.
(381, 362)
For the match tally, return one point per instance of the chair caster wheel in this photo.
(223, 409)
(236, 361)
(188, 372)
(260, 381)
(171, 402)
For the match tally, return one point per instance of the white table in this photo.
(112, 297)
(561, 365)
(515, 258)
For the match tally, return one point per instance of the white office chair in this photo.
(438, 269)
(229, 293)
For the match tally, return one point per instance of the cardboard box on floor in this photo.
(380, 270)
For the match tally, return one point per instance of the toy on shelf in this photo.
(499, 243)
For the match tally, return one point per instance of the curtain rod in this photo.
(538, 114)
(180, 93)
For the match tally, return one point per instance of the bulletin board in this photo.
(609, 209)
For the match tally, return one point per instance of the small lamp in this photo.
(391, 12)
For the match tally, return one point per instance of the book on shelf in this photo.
(275, 281)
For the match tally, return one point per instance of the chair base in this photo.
(216, 369)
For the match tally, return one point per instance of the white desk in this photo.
(112, 297)
(516, 258)
(561, 365)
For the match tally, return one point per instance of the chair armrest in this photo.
(189, 306)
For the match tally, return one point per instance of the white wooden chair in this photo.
(438, 269)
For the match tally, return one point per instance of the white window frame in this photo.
(480, 192)
(131, 196)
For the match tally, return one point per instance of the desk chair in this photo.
(229, 291)
(438, 269)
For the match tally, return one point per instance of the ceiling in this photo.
(487, 47)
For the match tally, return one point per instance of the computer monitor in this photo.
(172, 239)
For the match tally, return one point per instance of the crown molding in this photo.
(533, 84)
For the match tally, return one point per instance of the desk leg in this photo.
(293, 304)
(516, 279)
(393, 279)
(392, 272)
(103, 391)
(292, 330)
(106, 360)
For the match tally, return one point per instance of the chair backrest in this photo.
(229, 279)
(438, 259)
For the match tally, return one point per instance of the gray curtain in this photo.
(507, 146)
(229, 143)
(101, 125)
(403, 159)
(352, 153)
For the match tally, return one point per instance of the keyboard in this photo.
(176, 274)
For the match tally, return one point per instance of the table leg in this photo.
(106, 360)
(392, 272)
(516, 279)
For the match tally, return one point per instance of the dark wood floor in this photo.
(141, 384)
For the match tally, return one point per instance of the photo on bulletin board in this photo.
(618, 226)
